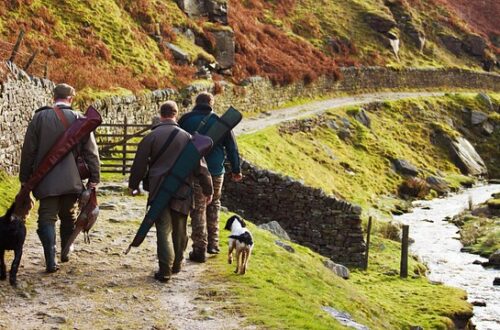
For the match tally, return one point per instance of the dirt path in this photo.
(275, 117)
(101, 288)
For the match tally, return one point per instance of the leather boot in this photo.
(197, 256)
(47, 234)
(163, 275)
(65, 232)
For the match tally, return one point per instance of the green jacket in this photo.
(42, 133)
(217, 156)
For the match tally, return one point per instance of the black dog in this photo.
(12, 236)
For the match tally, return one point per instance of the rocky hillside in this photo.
(149, 44)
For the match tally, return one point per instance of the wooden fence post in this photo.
(46, 70)
(16, 46)
(30, 61)
(368, 233)
(124, 159)
(403, 273)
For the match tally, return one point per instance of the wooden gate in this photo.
(118, 145)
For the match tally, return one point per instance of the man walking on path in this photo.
(59, 189)
(205, 216)
(158, 152)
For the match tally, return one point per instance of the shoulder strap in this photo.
(203, 122)
(165, 146)
(61, 116)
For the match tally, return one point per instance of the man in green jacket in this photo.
(158, 151)
(205, 216)
(59, 189)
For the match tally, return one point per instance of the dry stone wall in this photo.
(256, 94)
(324, 223)
(20, 96)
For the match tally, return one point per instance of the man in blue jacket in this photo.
(205, 218)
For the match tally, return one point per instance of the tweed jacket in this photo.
(149, 149)
(42, 133)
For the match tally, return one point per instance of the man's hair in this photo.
(169, 109)
(204, 98)
(63, 91)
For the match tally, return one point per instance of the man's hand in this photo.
(236, 177)
(92, 185)
(208, 199)
(134, 192)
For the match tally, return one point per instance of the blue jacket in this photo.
(215, 159)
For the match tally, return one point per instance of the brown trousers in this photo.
(205, 218)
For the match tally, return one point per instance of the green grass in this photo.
(283, 290)
(359, 167)
(480, 234)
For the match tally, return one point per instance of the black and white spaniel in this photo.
(240, 240)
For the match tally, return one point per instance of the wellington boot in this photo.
(47, 234)
(65, 232)
(163, 274)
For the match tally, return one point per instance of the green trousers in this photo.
(65, 208)
(171, 233)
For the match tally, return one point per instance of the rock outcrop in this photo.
(474, 45)
(224, 49)
(404, 167)
(215, 10)
(406, 23)
(466, 157)
(452, 43)
(275, 228)
(494, 259)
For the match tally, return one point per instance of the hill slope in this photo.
(105, 45)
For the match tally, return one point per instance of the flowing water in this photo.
(436, 242)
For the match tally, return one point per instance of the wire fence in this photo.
(30, 60)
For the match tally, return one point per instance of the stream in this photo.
(437, 243)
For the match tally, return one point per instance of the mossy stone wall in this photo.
(20, 96)
(329, 226)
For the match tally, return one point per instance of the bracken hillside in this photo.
(150, 44)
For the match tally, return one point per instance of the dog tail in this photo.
(246, 238)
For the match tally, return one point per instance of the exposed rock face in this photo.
(452, 43)
(379, 22)
(224, 48)
(404, 167)
(339, 270)
(406, 23)
(437, 184)
(285, 246)
(474, 45)
(344, 318)
(485, 98)
(275, 228)
(466, 157)
(487, 128)
(216, 10)
(494, 259)
(478, 117)
(179, 55)
(193, 7)
(363, 118)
